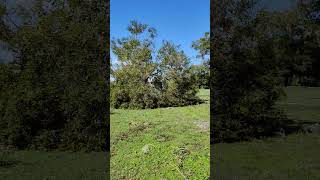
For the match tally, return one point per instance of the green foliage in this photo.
(202, 74)
(298, 47)
(142, 81)
(254, 56)
(246, 81)
(202, 71)
(174, 79)
(55, 92)
(203, 45)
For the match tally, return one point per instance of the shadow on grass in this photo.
(289, 126)
(298, 126)
(9, 163)
(292, 126)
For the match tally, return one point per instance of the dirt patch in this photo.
(134, 130)
(202, 125)
(164, 137)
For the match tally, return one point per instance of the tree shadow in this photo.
(293, 126)
(9, 163)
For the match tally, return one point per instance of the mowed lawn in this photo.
(164, 143)
(293, 157)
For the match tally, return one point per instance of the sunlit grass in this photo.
(176, 147)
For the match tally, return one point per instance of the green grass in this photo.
(204, 94)
(36, 165)
(293, 157)
(302, 104)
(178, 148)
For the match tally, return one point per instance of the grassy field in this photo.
(293, 157)
(146, 144)
(169, 143)
(173, 143)
(34, 165)
(302, 104)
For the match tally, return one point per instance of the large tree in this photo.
(59, 96)
(245, 81)
(134, 69)
(148, 78)
(178, 83)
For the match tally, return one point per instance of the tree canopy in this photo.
(255, 53)
(54, 93)
(148, 78)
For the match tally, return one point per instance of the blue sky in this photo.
(180, 21)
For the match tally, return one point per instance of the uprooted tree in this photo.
(146, 78)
